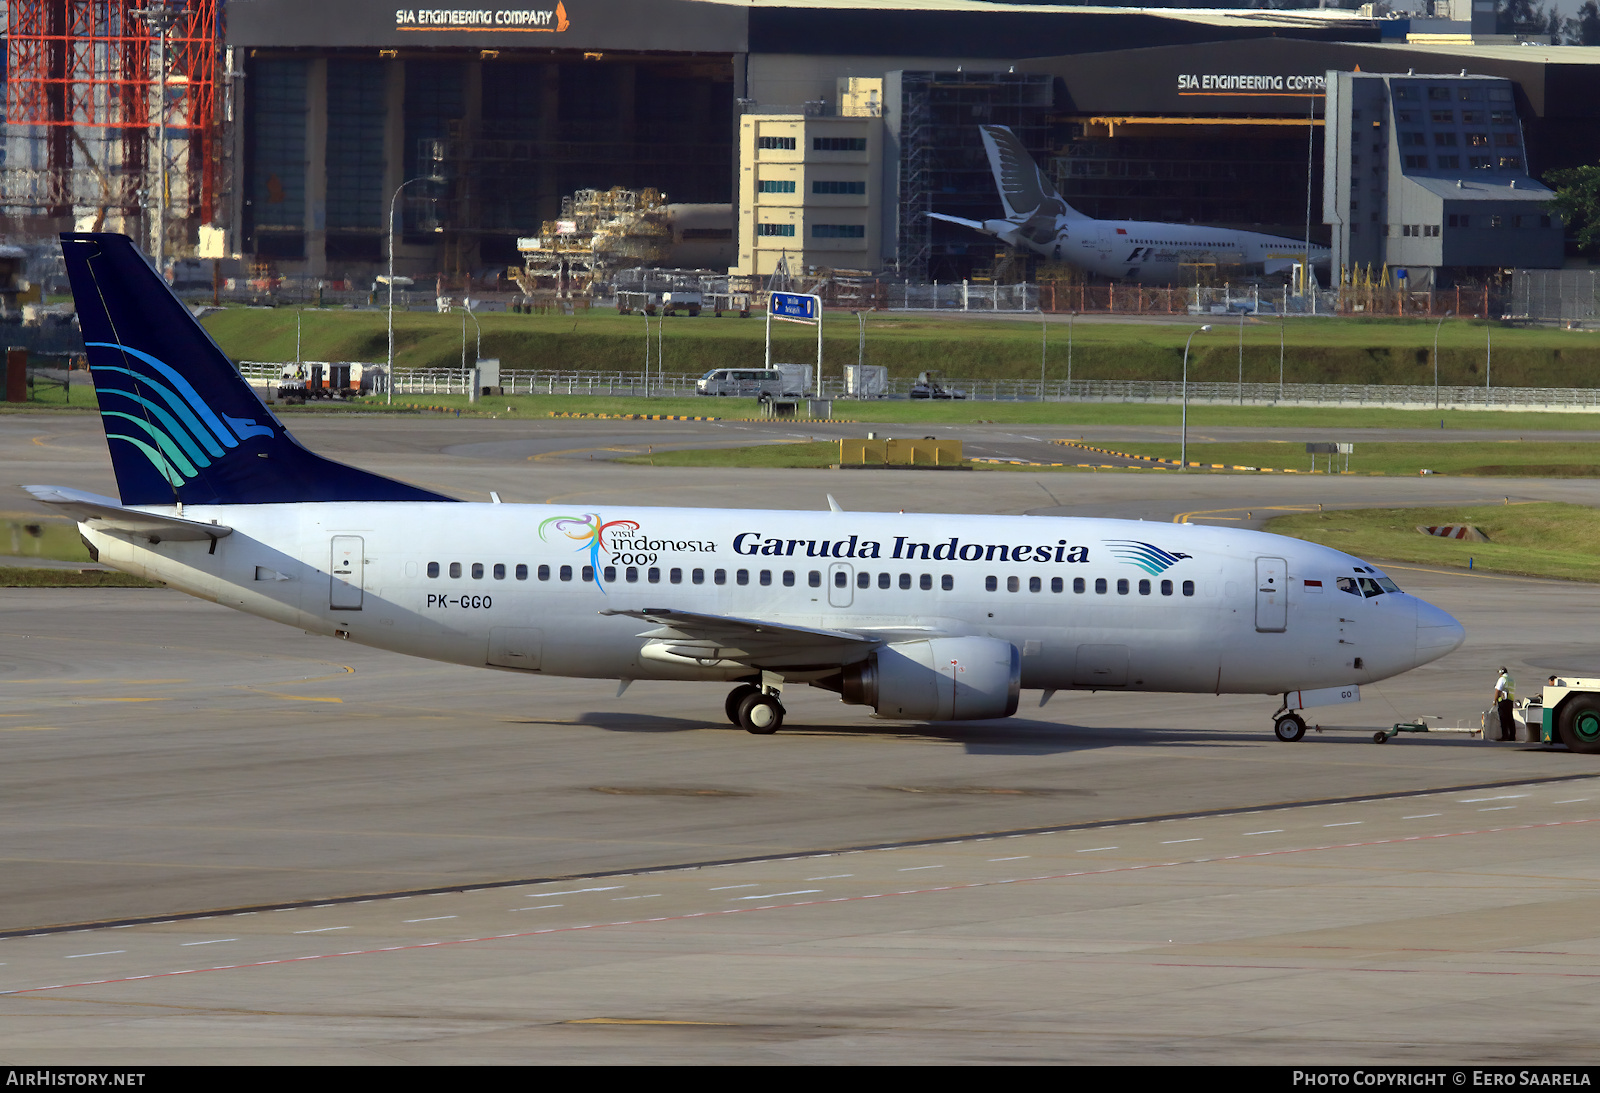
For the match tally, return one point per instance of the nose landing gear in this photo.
(1288, 726)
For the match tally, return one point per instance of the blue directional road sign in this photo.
(792, 305)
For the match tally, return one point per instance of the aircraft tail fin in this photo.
(1024, 190)
(181, 423)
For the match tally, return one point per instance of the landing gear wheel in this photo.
(1380, 737)
(736, 699)
(761, 714)
(1580, 726)
(1289, 728)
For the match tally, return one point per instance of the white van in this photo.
(743, 383)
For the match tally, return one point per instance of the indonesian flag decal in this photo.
(1122, 231)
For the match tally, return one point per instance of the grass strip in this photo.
(1519, 458)
(28, 577)
(1539, 539)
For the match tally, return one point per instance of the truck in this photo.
(1567, 712)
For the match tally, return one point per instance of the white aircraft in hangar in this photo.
(921, 617)
(1039, 220)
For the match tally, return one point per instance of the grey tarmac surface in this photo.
(1111, 878)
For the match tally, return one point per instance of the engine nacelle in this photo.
(942, 679)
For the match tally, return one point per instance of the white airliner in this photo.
(1037, 219)
(920, 617)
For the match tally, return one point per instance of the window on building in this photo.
(1413, 139)
(1439, 94)
(1416, 161)
(784, 143)
(776, 186)
(786, 230)
(838, 231)
(1442, 117)
(1450, 162)
(1507, 140)
(838, 144)
(1444, 140)
(824, 186)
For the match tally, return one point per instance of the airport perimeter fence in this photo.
(1555, 295)
(517, 381)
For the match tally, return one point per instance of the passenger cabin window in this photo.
(433, 569)
(455, 569)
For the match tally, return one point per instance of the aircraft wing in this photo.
(109, 514)
(755, 642)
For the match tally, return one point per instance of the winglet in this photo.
(833, 505)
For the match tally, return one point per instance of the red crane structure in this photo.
(83, 81)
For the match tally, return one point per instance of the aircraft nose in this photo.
(1438, 632)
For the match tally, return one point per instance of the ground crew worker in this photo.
(1504, 693)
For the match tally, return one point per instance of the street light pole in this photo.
(1071, 315)
(1044, 346)
(1183, 435)
(1440, 323)
(389, 395)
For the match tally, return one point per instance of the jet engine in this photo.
(942, 679)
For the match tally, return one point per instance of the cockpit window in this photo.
(1367, 586)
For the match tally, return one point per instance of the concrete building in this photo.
(1428, 174)
(811, 188)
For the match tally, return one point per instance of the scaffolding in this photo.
(598, 230)
(85, 101)
(943, 166)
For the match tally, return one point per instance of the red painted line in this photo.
(846, 899)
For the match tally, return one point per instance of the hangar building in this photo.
(1164, 114)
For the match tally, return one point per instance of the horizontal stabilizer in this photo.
(107, 514)
(976, 225)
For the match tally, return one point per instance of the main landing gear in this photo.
(755, 709)
(1288, 726)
